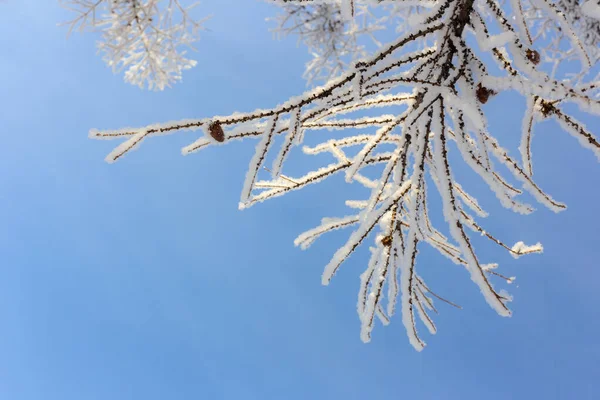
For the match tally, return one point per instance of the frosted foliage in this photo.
(572, 18)
(388, 124)
(331, 35)
(147, 39)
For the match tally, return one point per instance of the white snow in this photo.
(591, 8)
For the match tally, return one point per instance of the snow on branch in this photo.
(554, 23)
(146, 38)
(402, 110)
(333, 32)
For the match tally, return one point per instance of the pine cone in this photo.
(483, 93)
(216, 132)
(533, 56)
(386, 241)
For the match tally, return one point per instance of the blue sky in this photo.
(142, 280)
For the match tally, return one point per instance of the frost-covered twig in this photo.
(333, 39)
(148, 39)
(404, 108)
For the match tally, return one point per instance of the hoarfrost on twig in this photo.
(423, 101)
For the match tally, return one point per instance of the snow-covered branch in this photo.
(333, 39)
(404, 108)
(148, 39)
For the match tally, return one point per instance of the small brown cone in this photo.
(387, 241)
(216, 132)
(483, 94)
(533, 56)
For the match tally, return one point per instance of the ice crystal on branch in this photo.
(403, 109)
(146, 38)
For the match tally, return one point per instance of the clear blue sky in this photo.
(142, 280)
